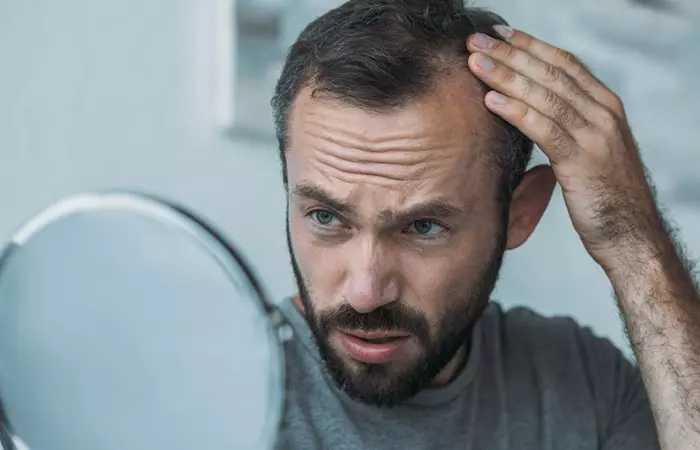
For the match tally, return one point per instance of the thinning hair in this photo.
(381, 54)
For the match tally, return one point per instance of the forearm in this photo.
(661, 307)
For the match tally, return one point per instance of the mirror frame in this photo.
(228, 258)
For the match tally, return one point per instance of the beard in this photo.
(386, 385)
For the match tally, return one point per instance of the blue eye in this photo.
(426, 228)
(323, 217)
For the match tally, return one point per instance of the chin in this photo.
(374, 386)
(382, 385)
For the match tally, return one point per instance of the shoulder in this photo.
(557, 338)
(560, 346)
(570, 359)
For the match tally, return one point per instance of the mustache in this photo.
(390, 317)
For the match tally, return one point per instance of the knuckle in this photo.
(555, 137)
(505, 77)
(529, 118)
(552, 73)
(551, 100)
(525, 88)
(568, 116)
(616, 104)
(508, 75)
(583, 70)
(524, 39)
(523, 116)
(552, 132)
(511, 53)
(566, 57)
(565, 114)
(609, 122)
(573, 89)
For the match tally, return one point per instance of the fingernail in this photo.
(483, 41)
(506, 32)
(484, 62)
(496, 98)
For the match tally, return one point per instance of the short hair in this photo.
(382, 54)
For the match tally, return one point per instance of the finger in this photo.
(554, 141)
(566, 61)
(507, 81)
(549, 76)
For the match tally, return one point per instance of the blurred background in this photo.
(172, 97)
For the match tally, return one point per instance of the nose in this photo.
(372, 280)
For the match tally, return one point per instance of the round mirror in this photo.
(128, 323)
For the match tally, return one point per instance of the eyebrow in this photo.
(316, 193)
(433, 209)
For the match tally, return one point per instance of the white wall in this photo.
(121, 94)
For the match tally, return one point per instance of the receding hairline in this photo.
(474, 92)
(409, 42)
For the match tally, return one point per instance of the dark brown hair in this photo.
(381, 54)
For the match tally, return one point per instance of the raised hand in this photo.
(581, 126)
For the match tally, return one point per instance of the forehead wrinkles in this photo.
(346, 149)
(344, 160)
(432, 137)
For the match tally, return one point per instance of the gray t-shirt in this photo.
(530, 383)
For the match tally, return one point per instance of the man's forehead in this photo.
(433, 147)
(451, 110)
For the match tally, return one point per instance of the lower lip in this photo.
(370, 353)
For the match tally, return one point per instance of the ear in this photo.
(530, 200)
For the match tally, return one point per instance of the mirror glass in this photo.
(128, 323)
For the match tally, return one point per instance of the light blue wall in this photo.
(121, 94)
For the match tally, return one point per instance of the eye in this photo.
(426, 228)
(323, 217)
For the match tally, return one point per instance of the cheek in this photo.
(302, 246)
(425, 279)
(439, 283)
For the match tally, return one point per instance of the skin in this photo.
(376, 178)
(581, 125)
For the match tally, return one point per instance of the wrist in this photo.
(639, 259)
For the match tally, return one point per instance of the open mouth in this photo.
(377, 337)
(383, 340)
(373, 347)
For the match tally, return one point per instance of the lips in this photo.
(375, 335)
(376, 347)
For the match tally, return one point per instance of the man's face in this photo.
(395, 233)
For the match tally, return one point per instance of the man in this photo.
(405, 129)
